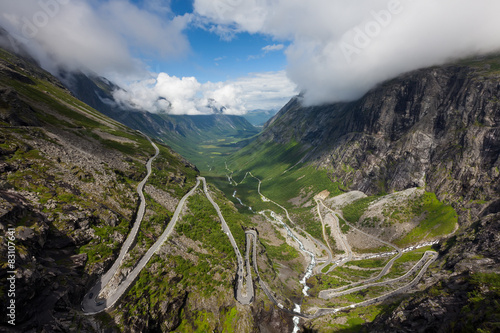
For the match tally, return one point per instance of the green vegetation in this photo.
(344, 227)
(489, 65)
(269, 162)
(436, 218)
(352, 275)
(200, 276)
(379, 249)
(234, 219)
(356, 209)
(331, 241)
(479, 295)
(200, 322)
(326, 268)
(439, 219)
(171, 173)
(369, 263)
(482, 313)
(231, 319)
(198, 138)
(322, 281)
(203, 224)
(405, 262)
(265, 160)
(305, 218)
(282, 179)
(353, 320)
(283, 252)
(105, 247)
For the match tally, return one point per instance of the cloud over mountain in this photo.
(341, 49)
(186, 95)
(104, 37)
(114, 37)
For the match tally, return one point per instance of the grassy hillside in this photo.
(68, 187)
(204, 139)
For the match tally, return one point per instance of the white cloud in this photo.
(220, 58)
(103, 37)
(270, 90)
(340, 49)
(274, 47)
(266, 91)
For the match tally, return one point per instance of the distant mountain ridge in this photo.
(259, 117)
(181, 132)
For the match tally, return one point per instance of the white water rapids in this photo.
(309, 269)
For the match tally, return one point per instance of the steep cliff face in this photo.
(436, 127)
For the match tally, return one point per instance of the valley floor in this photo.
(353, 280)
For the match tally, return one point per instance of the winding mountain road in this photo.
(94, 303)
(91, 303)
(330, 293)
(244, 296)
(427, 259)
(384, 270)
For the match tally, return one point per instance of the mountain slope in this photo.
(68, 179)
(67, 190)
(435, 128)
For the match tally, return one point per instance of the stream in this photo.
(310, 267)
(241, 203)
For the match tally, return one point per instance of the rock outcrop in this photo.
(435, 128)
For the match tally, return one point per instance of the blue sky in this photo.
(242, 71)
(214, 58)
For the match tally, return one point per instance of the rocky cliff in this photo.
(437, 128)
